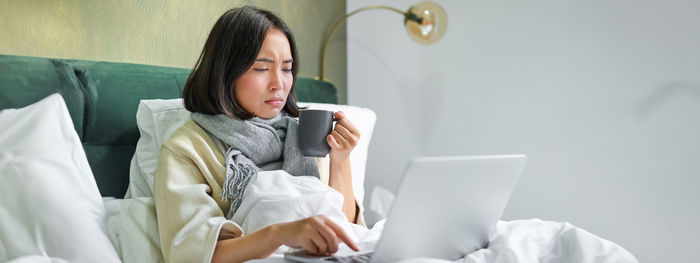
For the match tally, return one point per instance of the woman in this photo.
(242, 101)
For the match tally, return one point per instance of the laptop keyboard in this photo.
(354, 258)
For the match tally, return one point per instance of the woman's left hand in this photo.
(343, 138)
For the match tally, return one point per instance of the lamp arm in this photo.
(340, 22)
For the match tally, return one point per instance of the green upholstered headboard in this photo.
(102, 98)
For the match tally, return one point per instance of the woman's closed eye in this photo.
(289, 70)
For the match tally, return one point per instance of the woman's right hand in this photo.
(317, 234)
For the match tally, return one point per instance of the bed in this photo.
(98, 116)
(102, 98)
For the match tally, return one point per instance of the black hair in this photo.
(230, 50)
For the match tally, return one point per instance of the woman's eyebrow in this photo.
(272, 61)
(265, 60)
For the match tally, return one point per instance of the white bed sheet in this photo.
(133, 229)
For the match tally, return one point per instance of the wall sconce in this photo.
(425, 23)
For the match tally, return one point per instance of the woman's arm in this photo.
(316, 234)
(342, 140)
(340, 179)
(189, 220)
(259, 244)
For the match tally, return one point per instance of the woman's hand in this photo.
(343, 138)
(316, 234)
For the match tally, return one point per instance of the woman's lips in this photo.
(274, 102)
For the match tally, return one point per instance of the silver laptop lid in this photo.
(447, 207)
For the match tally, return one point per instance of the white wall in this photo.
(603, 96)
(383, 49)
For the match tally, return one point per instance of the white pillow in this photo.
(49, 201)
(158, 119)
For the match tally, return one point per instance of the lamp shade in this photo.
(428, 23)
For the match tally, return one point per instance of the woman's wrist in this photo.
(340, 169)
(340, 161)
(257, 245)
(273, 234)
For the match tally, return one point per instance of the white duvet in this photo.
(275, 196)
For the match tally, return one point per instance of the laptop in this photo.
(445, 207)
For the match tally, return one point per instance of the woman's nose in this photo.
(276, 81)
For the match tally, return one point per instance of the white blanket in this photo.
(274, 196)
(133, 229)
(541, 241)
(531, 240)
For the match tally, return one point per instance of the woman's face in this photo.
(263, 89)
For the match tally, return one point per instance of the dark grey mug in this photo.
(314, 126)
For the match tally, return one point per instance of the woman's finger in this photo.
(343, 131)
(339, 139)
(310, 246)
(350, 126)
(332, 142)
(320, 243)
(328, 234)
(342, 235)
(347, 135)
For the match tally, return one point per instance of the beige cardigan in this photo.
(187, 193)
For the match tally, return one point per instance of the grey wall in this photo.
(603, 96)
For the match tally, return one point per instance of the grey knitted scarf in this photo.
(254, 143)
